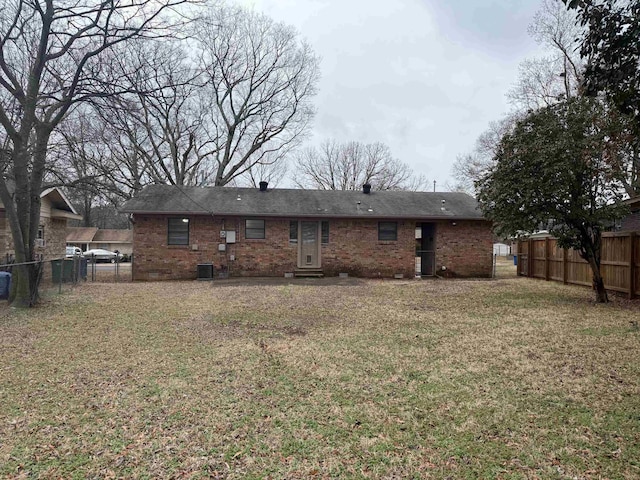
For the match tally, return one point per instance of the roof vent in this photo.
(263, 186)
(366, 188)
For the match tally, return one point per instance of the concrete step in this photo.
(308, 273)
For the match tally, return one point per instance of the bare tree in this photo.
(557, 76)
(260, 79)
(75, 161)
(229, 113)
(164, 118)
(470, 167)
(541, 82)
(271, 170)
(52, 57)
(348, 166)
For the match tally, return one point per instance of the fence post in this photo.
(546, 259)
(530, 258)
(495, 260)
(632, 266)
(61, 273)
(518, 256)
(565, 264)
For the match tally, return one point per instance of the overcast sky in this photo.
(423, 76)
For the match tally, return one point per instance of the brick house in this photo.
(55, 212)
(272, 232)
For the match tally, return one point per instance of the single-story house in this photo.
(55, 212)
(87, 238)
(272, 232)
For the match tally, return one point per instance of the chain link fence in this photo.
(66, 272)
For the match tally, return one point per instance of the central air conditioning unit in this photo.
(205, 271)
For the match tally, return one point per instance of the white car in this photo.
(102, 255)
(73, 252)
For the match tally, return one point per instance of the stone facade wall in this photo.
(354, 248)
(55, 236)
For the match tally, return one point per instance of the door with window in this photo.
(309, 245)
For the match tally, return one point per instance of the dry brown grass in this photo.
(510, 378)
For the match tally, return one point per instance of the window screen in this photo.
(388, 231)
(254, 229)
(178, 231)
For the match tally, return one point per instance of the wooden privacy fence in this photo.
(620, 264)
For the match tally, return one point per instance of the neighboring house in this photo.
(501, 249)
(109, 239)
(632, 221)
(251, 232)
(55, 212)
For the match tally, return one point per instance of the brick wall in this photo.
(631, 222)
(465, 249)
(154, 259)
(354, 248)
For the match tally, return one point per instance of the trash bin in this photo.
(5, 285)
(82, 267)
(515, 259)
(62, 267)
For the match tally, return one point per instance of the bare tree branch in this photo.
(262, 79)
(348, 166)
(51, 57)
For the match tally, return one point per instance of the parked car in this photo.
(102, 255)
(73, 252)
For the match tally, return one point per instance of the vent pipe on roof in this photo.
(366, 188)
(263, 186)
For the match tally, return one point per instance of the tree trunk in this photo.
(22, 208)
(598, 282)
(20, 295)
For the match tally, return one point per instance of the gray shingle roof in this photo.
(169, 199)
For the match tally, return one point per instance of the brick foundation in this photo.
(465, 249)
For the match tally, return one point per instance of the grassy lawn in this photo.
(510, 378)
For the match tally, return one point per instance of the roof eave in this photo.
(56, 213)
(307, 215)
(64, 198)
